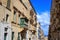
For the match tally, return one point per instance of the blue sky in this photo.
(42, 8)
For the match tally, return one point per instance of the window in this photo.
(58, 14)
(5, 36)
(29, 38)
(14, 18)
(58, 29)
(14, 12)
(31, 13)
(7, 17)
(8, 3)
(12, 35)
(31, 21)
(35, 18)
(6, 29)
(59, 4)
(19, 36)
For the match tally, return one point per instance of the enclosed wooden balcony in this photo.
(24, 22)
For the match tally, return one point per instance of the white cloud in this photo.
(44, 19)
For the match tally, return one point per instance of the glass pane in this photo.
(18, 36)
(12, 35)
(22, 21)
(5, 35)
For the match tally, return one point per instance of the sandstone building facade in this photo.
(54, 29)
(21, 17)
(40, 33)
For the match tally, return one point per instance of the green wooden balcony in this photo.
(23, 22)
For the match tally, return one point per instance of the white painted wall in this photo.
(2, 31)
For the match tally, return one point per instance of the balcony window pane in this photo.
(22, 21)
